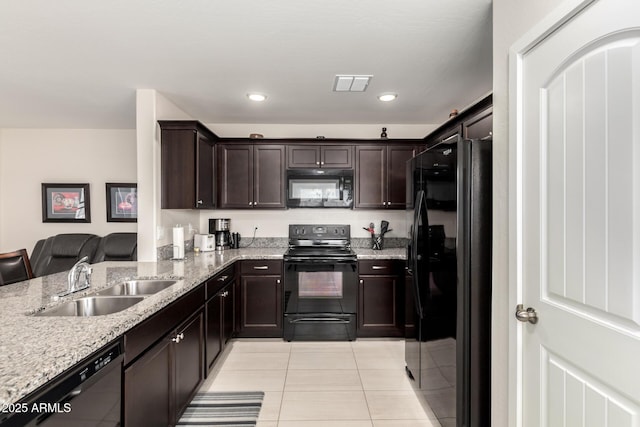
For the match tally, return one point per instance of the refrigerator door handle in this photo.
(415, 257)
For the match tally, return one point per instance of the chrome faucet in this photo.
(80, 268)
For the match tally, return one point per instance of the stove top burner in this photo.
(319, 242)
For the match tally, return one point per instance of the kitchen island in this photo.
(34, 349)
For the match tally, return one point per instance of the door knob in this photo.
(528, 315)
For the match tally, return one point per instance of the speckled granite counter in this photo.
(34, 350)
(391, 253)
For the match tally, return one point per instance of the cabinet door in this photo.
(370, 177)
(479, 126)
(188, 362)
(269, 176)
(336, 156)
(235, 177)
(178, 169)
(397, 175)
(303, 156)
(147, 388)
(378, 313)
(205, 173)
(214, 341)
(228, 313)
(261, 306)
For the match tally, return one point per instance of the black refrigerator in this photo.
(448, 351)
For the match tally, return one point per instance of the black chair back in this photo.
(15, 267)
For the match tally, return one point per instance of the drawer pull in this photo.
(260, 267)
(223, 278)
(378, 267)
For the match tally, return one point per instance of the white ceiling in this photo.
(77, 63)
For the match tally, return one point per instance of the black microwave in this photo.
(320, 188)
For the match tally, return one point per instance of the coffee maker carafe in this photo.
(220, 228)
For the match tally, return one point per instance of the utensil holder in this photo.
(377, 242)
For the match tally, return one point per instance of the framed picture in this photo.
(122, 202)
(65, 203)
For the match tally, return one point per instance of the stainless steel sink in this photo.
(137, 287)
(92, 306)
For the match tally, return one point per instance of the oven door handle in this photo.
(318, 261)
(319, 320)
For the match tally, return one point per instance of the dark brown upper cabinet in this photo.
(323, 156)
(381, 176)
(479, 126)
(251, 176)
(187, 165)
(475, 122)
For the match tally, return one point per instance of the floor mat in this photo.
(228, 409)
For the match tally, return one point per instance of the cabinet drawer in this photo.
(219, 281)
(261, 267)
(380, 267)
(142, 336)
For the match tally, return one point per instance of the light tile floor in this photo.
(324, 384)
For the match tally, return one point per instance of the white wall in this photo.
(30, 157)
(275, 223)
(511, 20)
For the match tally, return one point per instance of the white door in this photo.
(577, 144)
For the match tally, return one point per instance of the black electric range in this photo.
(320, 283)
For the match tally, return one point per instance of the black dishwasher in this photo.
(89, 394)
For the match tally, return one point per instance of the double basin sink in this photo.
(110, 300)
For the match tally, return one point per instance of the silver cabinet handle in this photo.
(223, 278)
(322, 163)
(378, 267)
(261, 267)
(361, 281)
(318, 163)
(250, 203)
(179, 337)
(278, 281)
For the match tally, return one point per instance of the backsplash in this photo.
(166, 252)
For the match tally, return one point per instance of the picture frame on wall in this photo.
(66, 203)
(122, 202)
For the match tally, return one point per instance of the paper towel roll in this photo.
(178, 242)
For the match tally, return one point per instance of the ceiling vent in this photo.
(350, 83)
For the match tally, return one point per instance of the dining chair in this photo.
(15, 267)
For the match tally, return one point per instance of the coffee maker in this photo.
(220, 228)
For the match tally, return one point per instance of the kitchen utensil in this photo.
(384, 227)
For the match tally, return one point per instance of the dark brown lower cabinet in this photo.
(188, 362)
(160, 384)
(220, 320)
(381, 298)
(261, 299)
(164, 363)
(147, 386)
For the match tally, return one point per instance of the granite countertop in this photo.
(34, 350)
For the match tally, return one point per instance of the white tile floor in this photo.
(324, 384)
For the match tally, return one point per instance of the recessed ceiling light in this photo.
(258, 97)
(386, 97)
